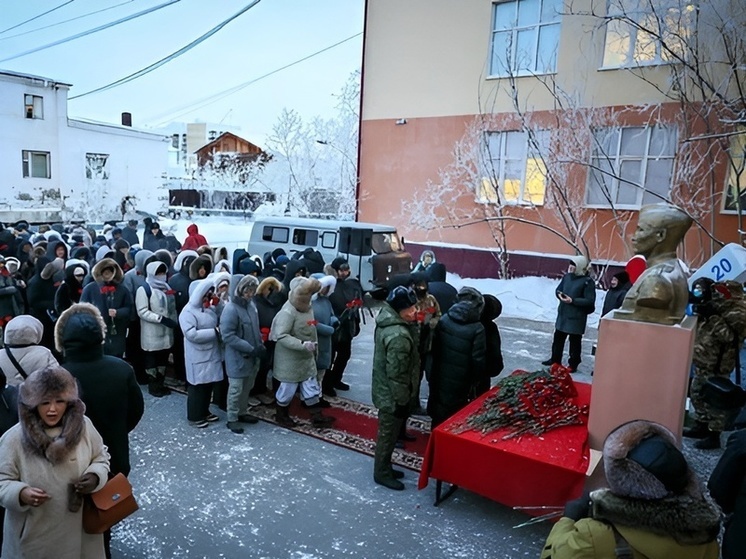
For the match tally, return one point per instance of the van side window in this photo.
(329, 239)
(275, 234)
(306, 237)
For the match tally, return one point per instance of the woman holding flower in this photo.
(114, 302)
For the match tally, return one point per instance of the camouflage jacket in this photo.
(720, 336)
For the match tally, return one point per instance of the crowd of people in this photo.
(259, 330)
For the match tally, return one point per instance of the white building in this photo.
(55, 168)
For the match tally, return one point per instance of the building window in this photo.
(514, 171)
(735, 189)
(95, 166)
(631, 167)
(36, 164)
(643, 32)
(525, 37)
(34, 106)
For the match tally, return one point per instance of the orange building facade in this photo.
(521, 132)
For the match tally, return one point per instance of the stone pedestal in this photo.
(641, 372)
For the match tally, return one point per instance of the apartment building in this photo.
(524, 131)
(54, 168)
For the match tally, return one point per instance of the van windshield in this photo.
(382, 243)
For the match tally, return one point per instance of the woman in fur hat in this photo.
(270, 296)
(48, 461)
(654, 507)
(294, 331)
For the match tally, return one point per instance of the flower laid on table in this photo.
(531, 403)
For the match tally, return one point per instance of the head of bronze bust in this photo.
(660, 229)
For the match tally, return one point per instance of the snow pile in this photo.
(531, 298)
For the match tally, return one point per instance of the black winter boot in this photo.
(282, 416)
(318, 419)
(697, 431)
(155, 386)
(711, 442)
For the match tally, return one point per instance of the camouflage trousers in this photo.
(714, 419)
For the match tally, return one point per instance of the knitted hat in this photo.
(340, 262)
(641, 461)
(401, 298)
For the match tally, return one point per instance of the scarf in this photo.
(156, 283)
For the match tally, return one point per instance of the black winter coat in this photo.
(728, 487)
(344, 294)
(41, 292)
(459, 350)
(437, 286)
(179, 282)
(108, 387)
(615, 297)
(8, 406)
(130, 235)
(121, 300)
(572, 317)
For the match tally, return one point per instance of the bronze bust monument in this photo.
(661, 293)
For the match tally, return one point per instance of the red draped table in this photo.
(545, 470)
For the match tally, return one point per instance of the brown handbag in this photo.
(111, 504)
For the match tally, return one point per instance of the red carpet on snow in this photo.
(355, 428)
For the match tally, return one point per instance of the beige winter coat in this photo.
(49, 530)
(22, 335)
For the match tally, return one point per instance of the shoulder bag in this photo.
(111, 504)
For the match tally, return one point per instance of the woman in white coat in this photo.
(204, 368)
(48, 461)
(156, 307)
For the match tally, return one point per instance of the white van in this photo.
(374, 251)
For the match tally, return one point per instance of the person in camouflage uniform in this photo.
(720, 333)
(395, 378)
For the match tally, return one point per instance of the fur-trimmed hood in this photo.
(199, 262)
(628, 477)
(688, 520)
(80, 326)
(219, 278)
(223, 266)
(105, 263)
(23, 330)
(40, 385)
(197, 291)
(219, 254)
(185, 257)
(246, 282)
(52, 268)
(269, 285)
(301, 291)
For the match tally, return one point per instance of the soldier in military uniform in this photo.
(720, 333)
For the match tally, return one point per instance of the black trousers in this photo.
(178, 352)
(558, 348)
(134, 353)
(342, 351)
(198, 400)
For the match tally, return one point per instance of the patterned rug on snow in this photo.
(355, 428)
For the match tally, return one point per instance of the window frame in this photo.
(619, 158)
(268, 234)
(514, 30)
(301, 237)
(740, 138)
(27, 167)
(104, 170)
(542, 137)
(636, 34)
(35, 114)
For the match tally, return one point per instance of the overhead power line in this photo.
(91, 31)
(65, 21)
(171, 56)
(205, 101)
(37, 17)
